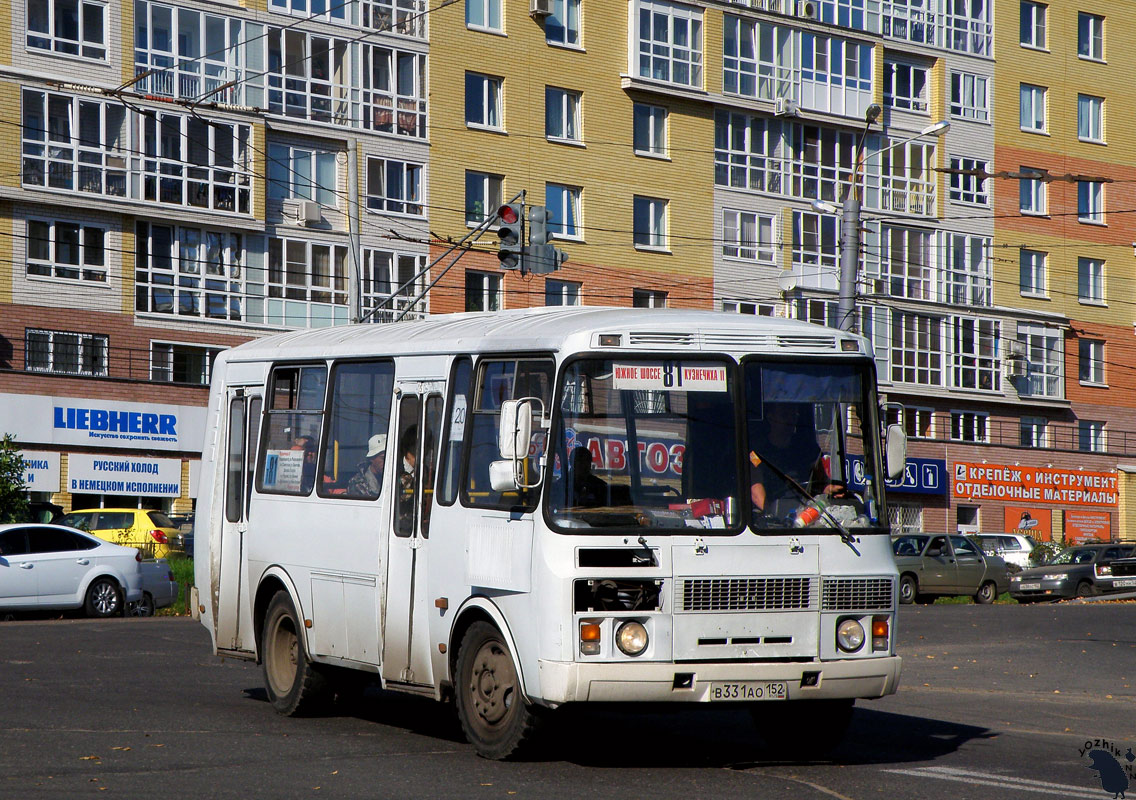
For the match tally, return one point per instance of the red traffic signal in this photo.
(508, 213)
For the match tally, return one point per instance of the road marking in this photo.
(1000, 781)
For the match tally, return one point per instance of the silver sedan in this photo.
(933, 564)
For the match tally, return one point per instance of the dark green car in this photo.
(937, 564)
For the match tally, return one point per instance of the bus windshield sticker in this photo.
(672, 376)
(457, 420)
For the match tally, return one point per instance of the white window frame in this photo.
(970, 426)
(92, 352)
(906, 86)
(200, 273)
(88, 43)
(912, 20)
(749, 236)
(485, 15)
(1091, 436)
(405, 177)
(907, 262)
(562, 110)
(384, 272)
(394, 92)
(162, 354)
(1033, 193)
(1033, 432)
(970, 96)
(490, 106)
(299, 295)
(562, 26)
(968, 31)
(648, 298)
(654, 212)
(1090, 202)
(490, 188)
(1090, 118)
(969, 189)
(919, 422)
(1032, 25)
(649, 127)
(666, 60)
(815, 249)
(756, 166)
(917, 348)
(294, 172)
(1091, 361)
(1090, 281)
(752, 307)
(975, 361)
(1032, 101)
(1033, 273)
(342, 12)
(1090, 36)
(561, 293)
(400, 17)
(90, 264)
(561, 197)
(486, 288)
(1044, 359)
(967, 272)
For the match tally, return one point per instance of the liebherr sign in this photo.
(1034, 485)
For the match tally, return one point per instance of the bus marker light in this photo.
(589, 638)
(879, 633)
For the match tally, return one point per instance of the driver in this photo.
(585, 490)
(790, 444)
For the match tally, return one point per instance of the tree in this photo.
(13, 500)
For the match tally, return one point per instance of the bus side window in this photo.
(357, 425)
(287, 463)
(458, 404)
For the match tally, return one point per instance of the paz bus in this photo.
(527, 509)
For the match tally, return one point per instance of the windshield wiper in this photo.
(845, 535)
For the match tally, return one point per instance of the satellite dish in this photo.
(787, 280)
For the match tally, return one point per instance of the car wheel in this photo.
(294, 684)
(907, 589)
(802, 728)
(144, 607)
(1085, 589)
(986, 593)
(103, 598)
(494, 715)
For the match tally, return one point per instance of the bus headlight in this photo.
(850, 635)
(631, 638)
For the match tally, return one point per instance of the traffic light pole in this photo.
(849, 259)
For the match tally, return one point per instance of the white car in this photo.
(52, 567)
(1014, 548)
(159, 589)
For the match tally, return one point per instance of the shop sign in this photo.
(1083, 526)
(920, 476)
(1035, 522)
(41, 471)
(101, 474)
(1066, 487)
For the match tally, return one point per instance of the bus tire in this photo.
(294, 684)
(802, 729)
(494, 716)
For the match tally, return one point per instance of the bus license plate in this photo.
(749, 690)
(1030, 586)
(1125, 582)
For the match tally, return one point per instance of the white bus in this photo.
(522, 510)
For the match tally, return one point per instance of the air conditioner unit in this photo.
(1015, 348)
(1016, 368)
(785, 107)
(807, 9)
(540, 8)
(302, 212)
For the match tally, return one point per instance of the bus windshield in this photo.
(645, 444)
(811, 450)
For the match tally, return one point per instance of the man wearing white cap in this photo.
(367, 481)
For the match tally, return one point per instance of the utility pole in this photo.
(850, 233)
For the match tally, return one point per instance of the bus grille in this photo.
(744, 594)
(656, 339)
(720, 340)
(849, 594)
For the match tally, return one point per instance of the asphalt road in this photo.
(996, 702)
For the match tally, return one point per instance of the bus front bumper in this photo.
(569, 682)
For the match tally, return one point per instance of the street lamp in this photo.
(850, 218)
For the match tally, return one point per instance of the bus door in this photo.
(406, 646)
(242, 426)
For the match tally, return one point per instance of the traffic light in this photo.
(511, 235)
(542, 257)
(538, 226)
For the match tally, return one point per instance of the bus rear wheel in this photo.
(494, 715)
(294, 684)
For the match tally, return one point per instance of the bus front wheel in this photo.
(494, 715)
(294, 684)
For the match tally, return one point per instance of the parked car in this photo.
(1071, 573)
(934, 564)
(42, 511)
(148, 530)
(159, 589)
(1014, 548)
(184, 538)
(1118, 575)
(52, 567)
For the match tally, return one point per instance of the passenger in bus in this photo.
(367, 481)
(308, 445)
(586, 490)
(407, 473)
(789, 442)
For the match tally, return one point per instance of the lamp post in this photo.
(850, 218)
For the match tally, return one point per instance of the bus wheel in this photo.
(294, 684)
(802, 729)
(494, 716)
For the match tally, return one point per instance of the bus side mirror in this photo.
(516, 429)
(895, 451)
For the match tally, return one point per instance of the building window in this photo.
(974, 355)
(65, 353)
(747, 235)
(1090, 202)
(1090, 436)
(68, 26)
(1090, 118)
(482, 291)
(969, 98)
(482, 196)
(307, 283)
(836, 75)
(74, 144)
(969, 184)
(745, 152)
(968, 274)
(561, 114)
(821, 163)
(1032, 108)
(670, 42)
(907, 264)
(564, 210)
(394, 93)
(919, 422)
(1090, 361)
(181, 363)
(198, 273)
(66, 250)
(313, 77)
(405, 17)
(648, 298)
(484, 14)
(748, 307)
(913, 20)
(295, 172)
(1033, 432)
(905, 86)
(1032, 278)
(562, 26)
(1042, 347)
(391, 281)
(561, 293)
(650, 134)
(394, 186)
(968, 426)
(482, 101)
(916, 349)
(1032, 192)
(969, 28)
(1090, 36)
(650, 222)
(1090, 280)
(751, 66)
(815, 249)
(1032, 25)
(323, 10)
